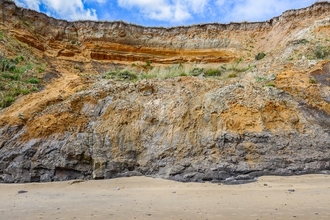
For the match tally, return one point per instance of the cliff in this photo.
(91, 119)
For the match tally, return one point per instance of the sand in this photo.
(148, 198)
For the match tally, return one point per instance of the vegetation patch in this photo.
(124, 75)
(197, 71)
(18, 76)
(270, 84)
(322, 52)
(212, 72)
(167, 72)
(34, 80)
(260, 56)
(16, 71)
(7, 101)
(135, 73)
(300, 41)
(232, 75)
(312, 81)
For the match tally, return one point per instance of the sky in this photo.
(165, 13)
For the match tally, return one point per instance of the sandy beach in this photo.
(296, 197)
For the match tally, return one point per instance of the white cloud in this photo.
(166, 10)
(171, 12)
(97, 1)
(65, 9)
(256, 10)
(33, 4)
(197, 6)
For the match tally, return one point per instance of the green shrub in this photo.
(7, 101)
(11, 76)
(260, 79)
(212, 72)
(223, 67)
(260, 56)
(270, 84)
(40, 70)
(197, 71)
(25, 91)
(6, 75)
(312, 81)
(301, 41)
(77, 67)
(127, 75)
(112, 73)
(122, 75)
(232, 75)
(21, 57)
(16, 91)
(321, 52)
(11, 67)
(4, 65)
(33, 81)
(16, 60)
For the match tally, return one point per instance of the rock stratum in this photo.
(267, 116)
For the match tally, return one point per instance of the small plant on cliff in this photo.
(260, 79)
(260, 56)
(127, 75)
(122, 75)
(312, 81)
(10, 76)
(77, 67)
(6, 101)
(148, 66)
(172, 71)
(232, 75)
(321, 52)
(212, 72)
(270, 84)
(34, 81)
(300, 41)
(197, 71)
(112, 74)
(237, 69)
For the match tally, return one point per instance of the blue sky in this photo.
(165, 12)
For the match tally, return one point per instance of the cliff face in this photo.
(87, 40)
(270, 118)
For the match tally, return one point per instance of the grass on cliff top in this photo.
(19, 75)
